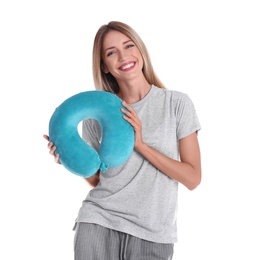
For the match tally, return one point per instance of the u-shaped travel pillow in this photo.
(76, 155)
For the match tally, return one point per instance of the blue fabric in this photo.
(117, 134)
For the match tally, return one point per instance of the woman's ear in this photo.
(104, 68)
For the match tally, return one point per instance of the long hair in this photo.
(105, 81)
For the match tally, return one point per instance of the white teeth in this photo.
(127, 66)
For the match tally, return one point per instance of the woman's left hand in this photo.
(131, 117)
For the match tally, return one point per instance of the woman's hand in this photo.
(52, 149)
(186, 171)
(131, 117)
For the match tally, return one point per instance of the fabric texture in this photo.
(76, 155)
(135, 197)
(94, 242)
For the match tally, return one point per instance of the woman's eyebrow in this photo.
(112, 47)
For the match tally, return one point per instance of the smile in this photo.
(127, 66)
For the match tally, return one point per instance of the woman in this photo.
(131, 211)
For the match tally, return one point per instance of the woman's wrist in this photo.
(140, 147)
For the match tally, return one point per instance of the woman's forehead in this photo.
(113, 38)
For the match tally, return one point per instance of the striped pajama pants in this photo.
(95, 242)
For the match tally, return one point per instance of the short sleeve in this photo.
(91, 133)
(186, 116)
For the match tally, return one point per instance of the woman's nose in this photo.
(122, 55)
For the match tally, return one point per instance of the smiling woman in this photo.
(137, 201)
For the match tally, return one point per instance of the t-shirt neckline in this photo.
(145, 99)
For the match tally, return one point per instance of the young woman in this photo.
(130, 213)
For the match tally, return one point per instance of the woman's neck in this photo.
(132, 93)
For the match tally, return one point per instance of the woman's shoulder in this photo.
(172, 94)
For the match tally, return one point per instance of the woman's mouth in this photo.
(127, 66)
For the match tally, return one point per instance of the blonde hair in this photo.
(107, 82)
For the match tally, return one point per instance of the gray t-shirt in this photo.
(136, 198)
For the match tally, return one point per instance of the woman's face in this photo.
(121, 56)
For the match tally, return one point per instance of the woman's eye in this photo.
(110, 53)
(129, 46)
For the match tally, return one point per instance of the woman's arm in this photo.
(186, 171)
(93, 180)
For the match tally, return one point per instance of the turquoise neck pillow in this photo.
(76, 155)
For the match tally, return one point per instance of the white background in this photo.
(204, 48)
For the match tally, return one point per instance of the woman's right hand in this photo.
(52, 149)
